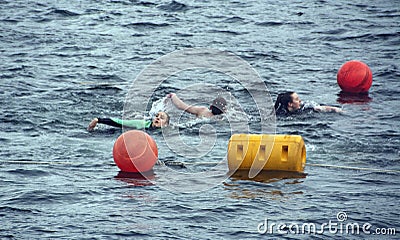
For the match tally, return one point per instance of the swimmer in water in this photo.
(290, 103)
(217, 107)
(160, 120)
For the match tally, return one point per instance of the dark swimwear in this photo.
(306, 107)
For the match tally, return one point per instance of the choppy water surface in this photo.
(63, 63)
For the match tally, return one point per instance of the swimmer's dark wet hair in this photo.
(282, 101)
(167, 117)
(218, 106)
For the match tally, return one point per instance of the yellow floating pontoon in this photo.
(266, 152)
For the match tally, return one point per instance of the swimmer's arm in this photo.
(327, 109)
(196, 110)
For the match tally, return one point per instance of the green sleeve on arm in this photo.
(134, 123)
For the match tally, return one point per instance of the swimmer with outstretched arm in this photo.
(160, 120)
(290, 103)
(217, 107)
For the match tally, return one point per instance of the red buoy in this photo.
(354, 77)
(135, 151)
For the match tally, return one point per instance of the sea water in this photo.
(64, 63)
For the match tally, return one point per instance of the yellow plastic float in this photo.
(266, 152)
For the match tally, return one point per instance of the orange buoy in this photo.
(135, 151)
(354, 77)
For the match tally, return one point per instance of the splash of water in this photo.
(234, 112)
(158, 106)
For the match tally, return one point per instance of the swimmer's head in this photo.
(295, 104)
(161, 120)
(288, 101)
(218, 106)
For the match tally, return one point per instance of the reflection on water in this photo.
(244, 187)
(353, 98)
(136, 179)
(268, 176)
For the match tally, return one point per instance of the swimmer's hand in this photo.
(328, 109)
(170, 95)
(93, 124)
